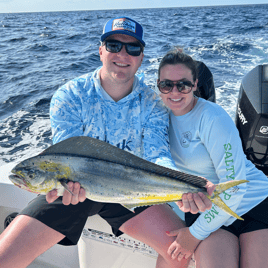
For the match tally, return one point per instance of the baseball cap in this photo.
(123, 25)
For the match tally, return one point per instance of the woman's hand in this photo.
(79, 194)
(184, 245)
(198, 201)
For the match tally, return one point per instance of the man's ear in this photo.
(100, 52)
(141, 59)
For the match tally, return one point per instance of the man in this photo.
(114, 105)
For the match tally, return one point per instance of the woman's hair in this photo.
(177, 56)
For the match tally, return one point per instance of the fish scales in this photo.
(109, 174)
(93, 148)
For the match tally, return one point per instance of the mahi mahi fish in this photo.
(109, 174)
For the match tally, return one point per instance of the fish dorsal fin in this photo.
(89, 147)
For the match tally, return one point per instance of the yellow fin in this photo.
(131, 207)
(218, 201)
(153, 199)
(221, 187)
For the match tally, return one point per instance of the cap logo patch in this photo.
(124, 24)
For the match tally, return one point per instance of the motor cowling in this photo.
(252, 116)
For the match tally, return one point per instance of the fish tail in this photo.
(221, 187)
(218, 201)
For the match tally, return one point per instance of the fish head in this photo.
(29, 176)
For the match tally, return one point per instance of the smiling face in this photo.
(178, 102)
(119, 68)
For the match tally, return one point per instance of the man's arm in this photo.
(66, 122)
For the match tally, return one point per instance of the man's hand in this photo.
(184, 245)
(196, 202)
(79, 194)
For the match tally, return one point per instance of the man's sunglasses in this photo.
(167, 86)
(115, 46)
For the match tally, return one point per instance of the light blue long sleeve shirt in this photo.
(206, 142)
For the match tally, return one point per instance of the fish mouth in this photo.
(17, 180)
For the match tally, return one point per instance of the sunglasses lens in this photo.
(133, 49)
(185, 87)
(165, 86)
(113, 46)
(186, 83)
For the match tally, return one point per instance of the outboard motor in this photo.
(252, 116)
(206, 88)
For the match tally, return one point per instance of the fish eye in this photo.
(30, 176)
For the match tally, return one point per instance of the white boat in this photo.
(97, 237)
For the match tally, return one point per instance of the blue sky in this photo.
(7, 6)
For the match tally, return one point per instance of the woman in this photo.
(204, 141)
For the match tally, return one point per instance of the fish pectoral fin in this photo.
(64, 184)
(218, 201)
(221, 187)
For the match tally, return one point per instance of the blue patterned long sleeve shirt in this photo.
(137, 123)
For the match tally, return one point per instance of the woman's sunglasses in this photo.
(167, 86)
(115, 46)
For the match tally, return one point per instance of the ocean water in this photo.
(39, 52)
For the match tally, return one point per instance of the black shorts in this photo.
(70, 220)
(255, 219)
